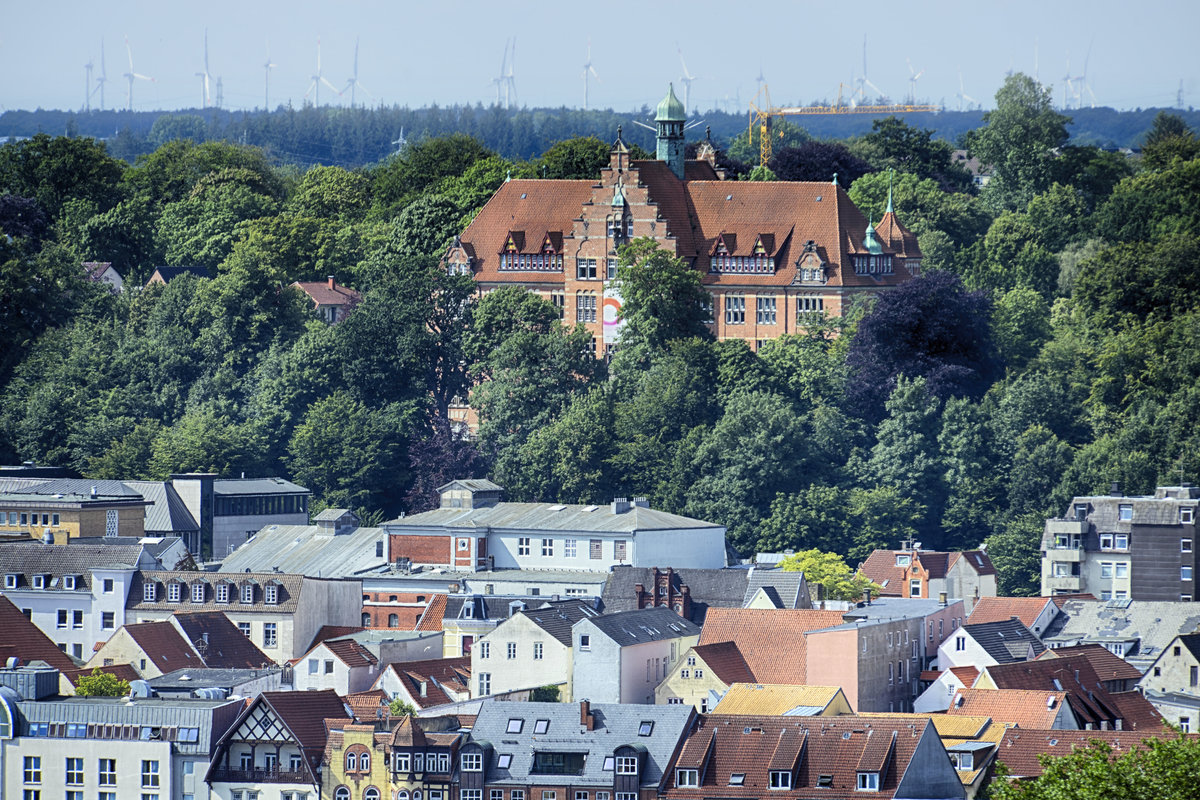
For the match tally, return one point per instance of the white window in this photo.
(585, 306)
(244, 627)
(765, 311)
(270, 635)
(549, 794)
(735, 309)
(1185, 724)
(868, 781)
(174, 592)
(619, 549)
(781, 779)
(585, 642)
(523, 546)
(1125, 513)
(10, 581)
(627, 765)
(223, 592)
(504, 760)
(698, 673)
(558, 299)
(271, 594)
(537, 651)
(1185, 546)
(1185, 573)
(1186, 515)
(68, 581)
(314, 666)
(110, 522)
(472, 762)
(496, 794)
(547, 548)
(960, 643)
(248, 593)
(149, 774)
(515, 725)
(1106, 569)
(485, 649)
(1122, 569)
(914, 587)
(198, 592)
(74, 772)
(685, 673)
(485, 683)
(687, 777)
(33, 769)
(570, 548)
(541, 726)
(108, 771)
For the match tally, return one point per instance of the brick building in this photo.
(771, 253)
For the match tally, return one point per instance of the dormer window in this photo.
(963, 761)
(198, 592)
(10, 581)
(69, 582)
(627, 765)
(737, 779)
(687, 777)
(247, 593)
(149, 592)
(903, 560)
(223, 592)
(868, 781)
(39, 581)
(472, 762)
(781, 779)
(271, 594)
(174, 592)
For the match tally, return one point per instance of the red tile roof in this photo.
(24, 640)
(1108, 667)
(1020, 747)
(351, 653)
(219, 642)
(125, 672)
(897, 237)
(1024, 707)
(725, 661)
(332, 632)
(997, 609)
(881, 568)
(966, 675)
(431, 618)
(434, 673)
(977, 559)
(163, 645)
(328, 293)
(366, 705)
(304, 713)
(771, 640)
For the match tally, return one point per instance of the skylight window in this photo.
(504, 761)
(541, 726)
(515, 725)
(737, 779)
(646, 728)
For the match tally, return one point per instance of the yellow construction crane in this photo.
(761, 112)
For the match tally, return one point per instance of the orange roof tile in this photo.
(1109, 667)
(1026, 708)
(26, 641)
(998, 609)
(324, 294)
(771, 640)
(881, 568)
(431, 619)
(1020, 747)
(725, 661)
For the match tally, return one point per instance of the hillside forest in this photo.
(1051, 347)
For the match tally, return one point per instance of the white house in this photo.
(984, 645)
(473, 529)
(621, 658)
(74, 593)
(343, 665)
(531, 648)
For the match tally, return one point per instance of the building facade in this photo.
(622, 658)
(1119, 547)
(772, 254)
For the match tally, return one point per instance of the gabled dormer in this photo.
(875, 760)
(810, 267)
(783, 767)
(629, 764)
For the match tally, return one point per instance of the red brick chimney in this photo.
(332, 283)
(585, 715)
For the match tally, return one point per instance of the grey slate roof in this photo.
(310, 550)
(709, 588)
(190, 679)
(34, 558)
(170, 273)
(786, 589)
(556, 618)
(1007, 641)
(256, 486)
(544, 517)
(1146, 626)
(644, 625)
(80, 489)
(615, 725)
(472, 484)
(167, 512)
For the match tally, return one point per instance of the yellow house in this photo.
(389, 759)
(782, 700)
(70, 508)
(702, 675)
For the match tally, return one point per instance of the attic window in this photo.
(903, 560)
(728, 197)
(646, 728)
(10, 581)
(39, 581)
(504, 761)
(868, 781)
(541, 726)
(149, 592)
(174, 592)
(271, 593)
(824, 781)
(737, 779)
(523, 195)
(515, 726)
(69, 582)
(609, 763)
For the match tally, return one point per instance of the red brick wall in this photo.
(408, 607)
(421, 549)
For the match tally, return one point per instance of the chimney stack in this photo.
(942, 599)
(1115, 491)
(585, 715)
(866, 597)
(332, 283)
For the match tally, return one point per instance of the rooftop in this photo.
(776, 700)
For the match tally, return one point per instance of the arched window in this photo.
(366, 619)
(371, 793)
(351, 762)
(393, 620)
(401, 795)
(342, 793)
(364, 762)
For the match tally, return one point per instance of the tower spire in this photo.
(891, 174)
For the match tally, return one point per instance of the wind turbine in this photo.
(267, 67)
(87, 85)
(353, 83)
(761, 80)
(400, 142)
(103, 76)
(506, 81)
(588, 69)
(131, 75)
(913, 76)
(864, 81)
(205, 77)
(1084, 86)
(686, 80)
(314, 88)
(962, 94)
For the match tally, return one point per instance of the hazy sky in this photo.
(448, 52)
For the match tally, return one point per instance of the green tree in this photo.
(56, 169)
(101, 684)
(581, 158)
(1018, 142)
(169, 127)
(399, 707)
(970, 477)
(1169, 139)
(1153, 205)
(745, 146)
(1020, 326)
(544, 694)
(197, 229)
(1015, 551)
(830, 571)
(331, 193)
(815, 518)
(398, 181)
(569, 460)
(894, 144)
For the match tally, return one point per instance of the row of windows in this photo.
(759, 265)
(765, 309)
(873, 265)
(571, 548)
(17, 518)
(585, 306)
(199, 592)
(45, 581)
(510, 652)
(546, 794)
(106, 772)
(259, 505)
(85, 730)
(536, 262)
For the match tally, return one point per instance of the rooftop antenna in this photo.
(686, 80)
(103, 75)
(1179, 95)
(314, 88)
(588, 70)
(267, 67)
(913, 77)
(205, 77)
(353, 83)
(131, 75)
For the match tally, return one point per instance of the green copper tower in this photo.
(669, 119)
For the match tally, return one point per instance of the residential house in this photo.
(1001, 642)
(185, 641)
(1118, 547)
(164, 274)
(26, 642)
(390, 758)
(621, 658)
(465, 618)
(111, 747)
(776, 588)
(280, 613)
(583, 751)
(427, 684)
(530, 649)
(940, 688)
(65, 508)
(913, 572)
(1172, 683)
(971, 742)
(771, 253)
(343, 665)
(691, 592)
(1135, 630)
(1024, 708)
(1115, 673)
(783, 701)
(702, 676)
(275, 747)
(1021, 749)
(76, 594)
(104, 272)
(1035, 613)
(332, 303)
(748, 756)
(472, 529)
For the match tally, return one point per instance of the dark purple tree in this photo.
(930, 327)
(22, 217)
(435, 461)
(818, 161)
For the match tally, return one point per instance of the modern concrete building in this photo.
(1118, 547)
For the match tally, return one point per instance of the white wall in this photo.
(698, 548)
(971, 656)
(522, 672)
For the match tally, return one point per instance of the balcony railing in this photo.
(261, 776)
